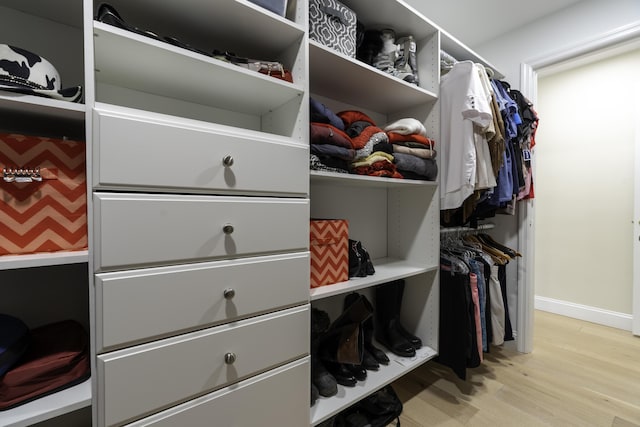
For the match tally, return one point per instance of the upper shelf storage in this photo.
(183, 79)
(227, 25)
(344, 79)
(163, 69)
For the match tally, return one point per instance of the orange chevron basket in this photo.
(43, 195)
(329, 246)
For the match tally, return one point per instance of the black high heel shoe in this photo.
(109, 15)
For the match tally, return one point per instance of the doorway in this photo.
(584, 214)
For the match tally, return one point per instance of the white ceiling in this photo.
(474, 22)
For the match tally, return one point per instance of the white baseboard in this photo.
(585, 312)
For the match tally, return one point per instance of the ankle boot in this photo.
(367, 330)
(387, 319)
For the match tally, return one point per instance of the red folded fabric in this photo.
(352, 116)
(395, 138)
(324, 133)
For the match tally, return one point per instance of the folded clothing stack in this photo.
(350, 141)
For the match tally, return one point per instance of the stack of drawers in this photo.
(201, 283)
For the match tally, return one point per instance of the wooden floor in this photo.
(579, 374)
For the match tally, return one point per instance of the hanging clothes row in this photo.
(487, 133)
(474, 313)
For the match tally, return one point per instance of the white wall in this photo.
(583, 22)
(584, 183)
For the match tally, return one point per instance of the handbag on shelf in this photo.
(57, 358)
(270, 68)
(14, 340)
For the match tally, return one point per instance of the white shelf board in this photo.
(48, 407)
(40, 106)
(354, 180)
(326, 407)
(387, 269)
(11, 262)
(237, 25)
(397, 14)
(348, 80)
(163, 69)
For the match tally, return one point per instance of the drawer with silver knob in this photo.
(269, 399)
(134, 306)
(140, 380)
(148, 229)
(146, 150)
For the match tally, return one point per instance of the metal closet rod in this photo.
(487, 226)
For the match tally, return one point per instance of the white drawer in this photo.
(271, 399)
(143, 229)
(149, 151)
(140, 380)
(132, 306)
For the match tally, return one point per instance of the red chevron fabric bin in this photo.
(43, 195)
(329, 246)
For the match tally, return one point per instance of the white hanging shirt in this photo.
(463, 102)
(485, 178)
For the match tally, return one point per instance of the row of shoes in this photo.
(343, 351)
(383, 50)
(109, 15)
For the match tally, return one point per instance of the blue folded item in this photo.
(322, 114)
(14, 340)
(276, 6)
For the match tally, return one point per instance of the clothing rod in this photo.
(480, 227)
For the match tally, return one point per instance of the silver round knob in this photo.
(227, 161)
(230, 358)
(229, 293)
(227, 229)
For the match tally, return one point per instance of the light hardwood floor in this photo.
(579, 374)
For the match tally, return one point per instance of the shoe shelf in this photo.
(166, 70)
(48, 407)
(387, 269)
(326, 407)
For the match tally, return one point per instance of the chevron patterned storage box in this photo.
(43, 195)
(329, 245)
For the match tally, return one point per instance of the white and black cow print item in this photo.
(25, 72)
(334, 25)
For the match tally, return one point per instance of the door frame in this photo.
(635, 322)
(623, 37)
